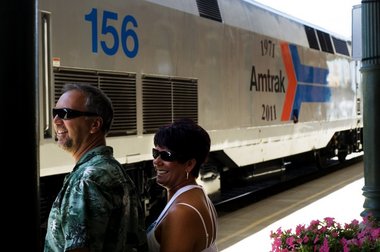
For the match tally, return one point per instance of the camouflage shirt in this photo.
(97, 207)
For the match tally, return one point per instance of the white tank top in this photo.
(153, 244)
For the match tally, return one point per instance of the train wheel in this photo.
(342, 156)
(320, 159)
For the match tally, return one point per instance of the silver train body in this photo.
(266, 86)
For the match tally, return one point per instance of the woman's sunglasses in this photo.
(164, 155)
(67, 114)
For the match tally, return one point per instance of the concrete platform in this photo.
(334, 205)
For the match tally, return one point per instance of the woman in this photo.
(188, 222)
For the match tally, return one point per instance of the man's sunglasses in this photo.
(67, 114)
(164, 155)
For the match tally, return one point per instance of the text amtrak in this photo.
(267, 82)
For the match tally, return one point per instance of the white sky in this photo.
(332, 15)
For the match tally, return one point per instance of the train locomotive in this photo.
(266, 86)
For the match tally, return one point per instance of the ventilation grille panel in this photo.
(166, 99)
(120, 88)
(209, 9)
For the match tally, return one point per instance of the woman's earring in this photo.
(187, 175)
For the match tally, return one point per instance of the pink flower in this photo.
(329, 221)
(325, 246)
(328, 235)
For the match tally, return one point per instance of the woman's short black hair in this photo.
(185, 139)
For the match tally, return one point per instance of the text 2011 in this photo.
(269, 112)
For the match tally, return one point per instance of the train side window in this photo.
(325, 41)
(311, 37)
(340, 46)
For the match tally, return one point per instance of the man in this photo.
(98, 208)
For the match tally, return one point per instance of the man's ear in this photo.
(96, 124)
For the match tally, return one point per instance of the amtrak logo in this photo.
(306, 83)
